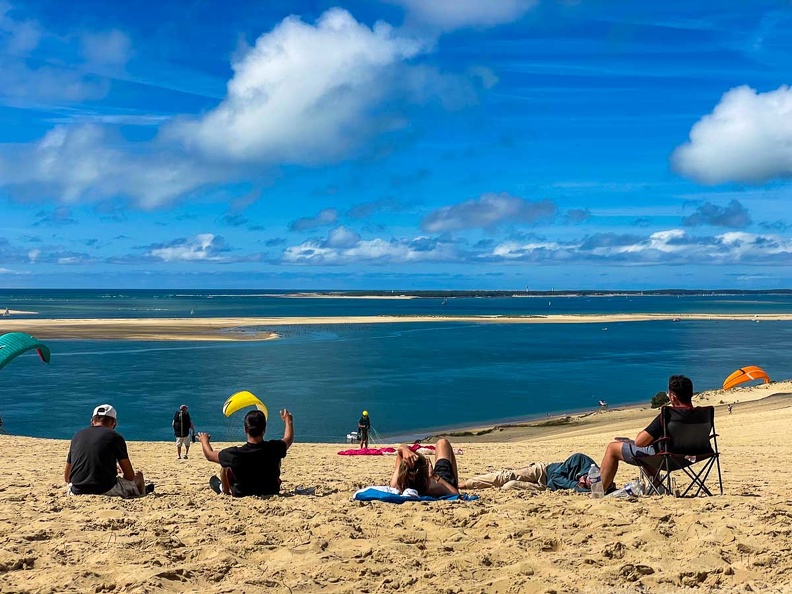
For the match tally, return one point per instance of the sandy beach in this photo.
(185, 538)
(261, 328)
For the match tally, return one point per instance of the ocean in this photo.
(414, 379)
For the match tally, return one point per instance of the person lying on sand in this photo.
(253, 468)
(95, 454)
(680, 392)
(572, 473)
(414, 471)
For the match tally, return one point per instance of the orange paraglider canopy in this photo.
(745, 374)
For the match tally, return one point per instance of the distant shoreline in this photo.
(247, 328)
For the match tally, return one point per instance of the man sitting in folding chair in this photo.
(676, 439)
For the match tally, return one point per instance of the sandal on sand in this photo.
(215, 484)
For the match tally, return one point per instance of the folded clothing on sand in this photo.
(391, 495)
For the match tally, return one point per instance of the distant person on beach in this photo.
(680, 393)
(414, 471)
(182, 425)
(729, 408)
(572, 473)
(253, 468)
(94, 455)
(364, 428)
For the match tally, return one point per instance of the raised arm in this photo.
(288, 431)
(206, 447)
(403, 454)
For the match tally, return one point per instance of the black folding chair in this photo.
(689, 444)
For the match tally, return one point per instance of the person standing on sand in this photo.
(364, 428)
(254, 468)
(414, 471)
(680, 393)
(182, 425)
(94, 455)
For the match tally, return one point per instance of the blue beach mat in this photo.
(391, 495)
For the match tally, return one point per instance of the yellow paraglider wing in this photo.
(745, 374)
(241, 400)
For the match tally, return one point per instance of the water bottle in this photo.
(595, 480)
(633, 489)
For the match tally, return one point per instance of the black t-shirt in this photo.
(364, 423)
(182, 423)
(93, 454)
(255, 467)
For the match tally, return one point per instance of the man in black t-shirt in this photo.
(93, 456)
(182, 425)
(253, 468)
(680, 392)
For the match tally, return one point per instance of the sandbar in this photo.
(250, 328)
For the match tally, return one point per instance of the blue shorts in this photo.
(630, 452)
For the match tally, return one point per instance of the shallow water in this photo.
(412, 378)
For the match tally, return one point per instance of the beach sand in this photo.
(186, 538)
(264, 328)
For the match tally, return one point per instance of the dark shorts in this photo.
(445, 471)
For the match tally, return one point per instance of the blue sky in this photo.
(396, 144)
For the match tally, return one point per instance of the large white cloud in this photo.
(746, 138)
(456, 14)
(305, 93)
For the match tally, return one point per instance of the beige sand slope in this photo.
(185, 538)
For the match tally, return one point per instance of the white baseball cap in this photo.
(105, 410)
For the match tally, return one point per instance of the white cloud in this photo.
(325, 217)
(86, 163)
(56, 77)
(12, 272)
(18, 36)
(305, 94)
(109, 48)
(487, 212)
(33, 255)
(746, 138)
(341, 237)
(202, 247)
(457, 14)
(373, 251)
(672, 246)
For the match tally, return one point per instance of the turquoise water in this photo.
(412, 378)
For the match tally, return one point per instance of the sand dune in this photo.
(186, 538)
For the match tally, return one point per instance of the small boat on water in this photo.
(603, 403)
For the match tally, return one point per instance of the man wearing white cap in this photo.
(93, 455)
(182, 425)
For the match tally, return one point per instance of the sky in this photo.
(396, 144)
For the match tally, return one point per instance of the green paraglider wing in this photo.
(14, 344)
